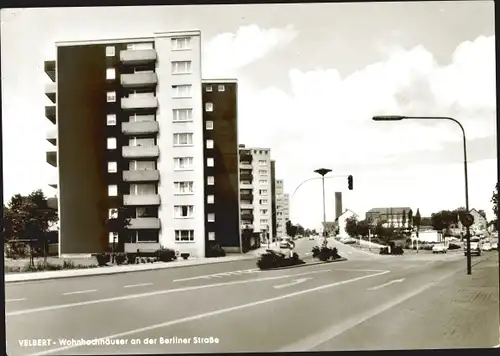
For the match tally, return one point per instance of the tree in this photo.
(494, 200)
(351, 226)
(363, 228)
(482, 213)
(417, 220)
(410, 219)
(443, 219)
(291, 230)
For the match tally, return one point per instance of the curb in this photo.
(104, 271)
(343, 259)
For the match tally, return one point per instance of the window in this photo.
(263, 182)
(141, 142)
(142, 165)
(184, 235)
(111, 119)
(263, 172)
(147, 236)
(112, 167)
(183, 163)
(264, 221)
(263, 191)
(262, 163)
(111, 143)
(111, 97)
(211, 236)
(208, 88)
(140, 46)
(209, 125)
(146, 212)
(264, 211)
(210, 144)
(110, 51)
(110, 74)
(263, 201)
(210, 199)
(181, 67)
(183, 211)
(181, 43)
(112, 190)
(112, 213)
(210, 162)
(209, 107)
(183, 139)
(181, 91)
(141, 118)
(183, 115)
(210, 180)
(221, 87)
(112, 237)
(184, 187)
(211, 217)
(143, 189)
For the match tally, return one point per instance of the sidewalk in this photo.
(33, 276)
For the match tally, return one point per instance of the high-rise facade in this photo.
(282, 210)
(130, 134)
(256, 190)
(274, 218)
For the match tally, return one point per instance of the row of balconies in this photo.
(132, 176)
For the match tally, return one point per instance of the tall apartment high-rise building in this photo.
(256, 190)
(273, 199)
(130, 133)
(222, 205)
(282, 210)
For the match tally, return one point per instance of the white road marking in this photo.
(295, 282)
(319, 338)
(138, 285)
(15, 300)
(360, 270)
(155, 293)
(81, 292)
(216, 275)
(216, 312)
(387, 284)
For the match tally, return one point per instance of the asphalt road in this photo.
(368, 302)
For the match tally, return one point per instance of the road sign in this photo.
(467, 220)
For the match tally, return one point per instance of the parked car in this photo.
(475, 246)
(285, 242)
(311, 238)
(347, 240)
(439, 248)
(494, 245)
(486, 246)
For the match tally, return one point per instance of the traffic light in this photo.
(349, 182)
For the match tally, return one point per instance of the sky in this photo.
(311, 77)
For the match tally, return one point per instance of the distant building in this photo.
(480, 222)
(342, 222)
(397, 217)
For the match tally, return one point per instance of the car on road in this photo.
(475, 246)
(486, 246)
(348, 240)
(439, 248)
(286, 242)
(494, 245)
(311, 238)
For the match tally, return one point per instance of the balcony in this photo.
(245, 226)
(144, 223)
(50, 69)
(139, 80)
(142, 127)
(140, 151)
(141, 200)
(244, 185)
(247, 217)
(51, 135)
(141, 176)
(246, 158)
(244, 165)
(246, 196)
(51, 158)
(142, 56)
(246, 206)
(246, 177)
(50, 113)
(50, 91)
(139, 102)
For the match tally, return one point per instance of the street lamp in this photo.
(399, 118)
(322, 172)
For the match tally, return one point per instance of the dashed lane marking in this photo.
(81, 292)
(15, 300)
(219, 275)
(138, 285)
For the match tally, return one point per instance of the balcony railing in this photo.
(51, 135)
(141, 200)
(144, 223)
(50, 91)
(247, 217)
(246, 177)
(246, 196)
(52, 158)
(140, 151)
(141, 56)
(139, 102)
(141, 127)
(139, 80)
(244, 185)
(141, 176)
(50, 69)
(244, 165)
(50, 113)
(246, 206)
(246, 158)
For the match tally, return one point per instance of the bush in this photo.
(103, 259)
(68, 264)
(315, 251)
(120, 258)
(325, 253)
(395, 250)
(272, 259)
(131, 258)
(384, 250)
(215, 250)
(165, 255)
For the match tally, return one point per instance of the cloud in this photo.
(229, 51)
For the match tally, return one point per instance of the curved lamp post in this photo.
(322, 172)
(399, 118)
